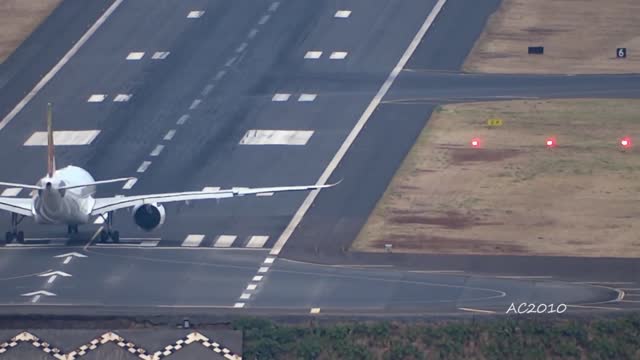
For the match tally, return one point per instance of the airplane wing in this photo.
(104, 205)
(20, 206)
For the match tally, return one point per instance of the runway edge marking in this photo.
(364, 118)
(87, 35)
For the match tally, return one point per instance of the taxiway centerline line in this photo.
(41, 84)
(297, 218)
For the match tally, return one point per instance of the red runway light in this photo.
(551, 142)
(625, 142)
(475, 142)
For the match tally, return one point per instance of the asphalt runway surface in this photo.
(209, 73)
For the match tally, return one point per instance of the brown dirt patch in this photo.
(579, 36)
(18, 18)
(515, 196)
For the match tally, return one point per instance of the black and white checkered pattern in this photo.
(121, 342)
(26, 337)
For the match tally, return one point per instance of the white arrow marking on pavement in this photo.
(61, 273)
(69, 256)
(39, 292)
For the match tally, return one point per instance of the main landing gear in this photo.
(16, 219)
(107, 232)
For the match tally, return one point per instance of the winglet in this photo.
(51, 159)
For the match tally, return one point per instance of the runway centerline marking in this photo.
(195, 104)
(297, 218)
(170, 134)
(144, 166)
(279, 97)
(87, 35)
(307, 97)
(477, 310)
(156, 151)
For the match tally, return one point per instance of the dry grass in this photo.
(579, 36)
(515, 196)
(18, 18)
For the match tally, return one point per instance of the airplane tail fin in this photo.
(51, 158)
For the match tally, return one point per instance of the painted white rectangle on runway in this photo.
(225, 241)
(193, 240)
(122, 98)
(11, 192)
(280, 97)
(144, 166)
(96, 98)
(135, 55)
(129, 184)
(313, 54)
(64, 137)
(160, 55)
(307, 97)
(338, 55)
(276, 137)
(257, 241)
(342, 14)
(195, 14)
(157, 150)
(170, 134)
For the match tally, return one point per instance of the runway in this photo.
(178, 95)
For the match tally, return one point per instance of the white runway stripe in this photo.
(157, 150)
(225, 241)
(82, 137)
(96, 98)
(342, 14)
(160, 55)
(170, 134)
(276, 137)
(257, 241)
(313, 54)
(129, 184)
(195, 14)
(338, 55)
(307, 97)
(144, 166)
(122, 98)
(193, 240)
(135, 55)
(11, 192)
(280, 97)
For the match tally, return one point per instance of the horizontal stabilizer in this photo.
(97, 183)
(23, 186)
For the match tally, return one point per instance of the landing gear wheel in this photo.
(20, 237)
(8, 237)
(104, 236)
(115, 236)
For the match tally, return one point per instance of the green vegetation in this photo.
(509, 338)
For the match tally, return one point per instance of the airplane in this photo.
(65, 197)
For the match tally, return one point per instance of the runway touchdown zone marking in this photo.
(11, 192)
(276, 137)
(135, 56)
(342, 14)
(63, 137)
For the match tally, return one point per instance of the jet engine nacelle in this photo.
(149, 216)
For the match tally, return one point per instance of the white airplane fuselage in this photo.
(70, 206)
